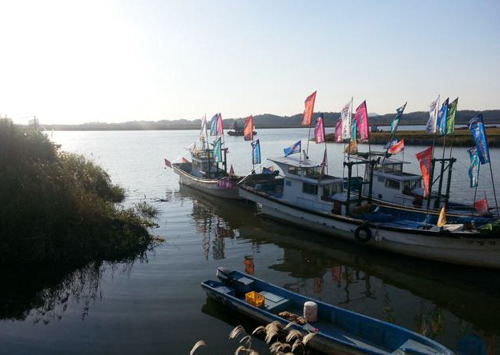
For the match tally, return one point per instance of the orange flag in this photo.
(442, 217)
(309, 109)
(249, 128)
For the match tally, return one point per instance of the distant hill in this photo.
(268, 120)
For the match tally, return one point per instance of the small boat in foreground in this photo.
(338, 331)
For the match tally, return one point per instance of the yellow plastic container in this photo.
(255, 299)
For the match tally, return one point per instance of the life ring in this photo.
(363, 237)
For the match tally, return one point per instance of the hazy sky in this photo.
(79, 61)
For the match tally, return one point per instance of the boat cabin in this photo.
(392, 184)
(205, 166)
(304, 185)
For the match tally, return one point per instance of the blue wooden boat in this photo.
(339, 331)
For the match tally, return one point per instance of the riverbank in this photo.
(60, 208)
(461, 138)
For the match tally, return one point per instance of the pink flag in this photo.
(425, 160)
(398, 147)
(361, 118)
(482, 207)
(338, 131)
(319, 130)
(309, 109)
(168, 163)
(184, 160)
(220, 125)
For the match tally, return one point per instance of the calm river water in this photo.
(155, 305)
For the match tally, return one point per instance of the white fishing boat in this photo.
(305, 197)
(207, 171)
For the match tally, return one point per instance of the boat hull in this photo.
(338, 331)
(459, 248)
(208, 186)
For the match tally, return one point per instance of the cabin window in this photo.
(393, 168)
(293, 170)
(331, 189)
(408, 186)
(311, 189)
(392, 184)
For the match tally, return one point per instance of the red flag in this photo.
(231, 171)
(220, 125)
(249, 128)
(425, 160)
(168, 163)
(482, 207)
(184, 160)
(361, 118)
(338, 131)
(319, 130)
(309, 109)
(398, 147)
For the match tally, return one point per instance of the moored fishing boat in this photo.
(338, 330)
(207, 171)
(306, 197)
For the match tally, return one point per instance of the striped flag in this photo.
(397, 147)
(395, 121)
(345, 117)
(361, 119)
(450, 121)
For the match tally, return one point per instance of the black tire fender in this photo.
(363, 233)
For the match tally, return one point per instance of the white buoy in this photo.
(311, 311)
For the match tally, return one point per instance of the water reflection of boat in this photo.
(472, 295)
(337, 329)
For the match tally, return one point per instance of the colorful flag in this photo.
(395, 121)
(425, 160)
(309, 109)
(354, 130)
(231, 171)
(218, 150)
(319, 130)
(442, 217)
(442, 125)
(450, 121)
(324, 163)
(220, 125)
(256, 152)
(433, 113)
(248, 129)
(476, 125)
(474, 167)
(391, 142)
(345, 117)
(361, 119)
(338, 131)
(213, 125)
(352, 147)
(482, 207)
(168, 163)
(397, 147)
(294, 148)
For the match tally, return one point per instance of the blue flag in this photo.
(294, 148)
(256, 152)
(476, 125)
(213, 125)
(474, 167)
(218, 150)
(442, 123)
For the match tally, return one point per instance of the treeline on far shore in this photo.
(460, 138)
(60, 208)
(268, 121)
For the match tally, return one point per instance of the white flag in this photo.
(433, 113)
(345, 116)
(203, 132)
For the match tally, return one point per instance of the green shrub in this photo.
(61, 208)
